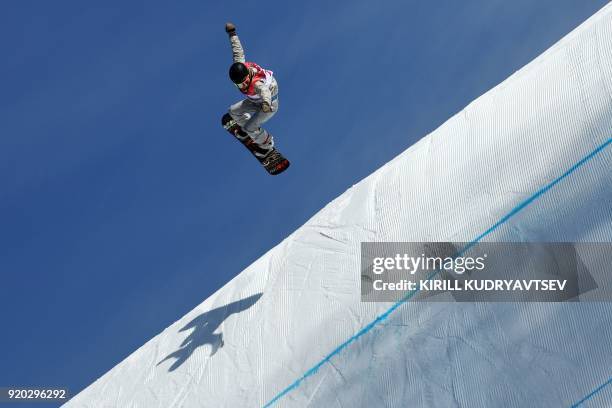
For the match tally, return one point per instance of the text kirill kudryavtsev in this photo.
(472, 285)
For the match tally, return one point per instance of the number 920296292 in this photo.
(18, 393)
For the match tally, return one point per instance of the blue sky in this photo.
(124, 204)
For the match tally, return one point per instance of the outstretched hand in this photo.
(230, 28)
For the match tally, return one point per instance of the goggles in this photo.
(245, 84)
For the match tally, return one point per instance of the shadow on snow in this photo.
(204, 327)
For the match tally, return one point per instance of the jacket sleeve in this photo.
(263, 91)
(237, 51)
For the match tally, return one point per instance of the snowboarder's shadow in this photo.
(204, 327)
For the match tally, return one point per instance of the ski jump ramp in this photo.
(530, 160)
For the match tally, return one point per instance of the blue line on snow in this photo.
(386, 314)
(592, 393)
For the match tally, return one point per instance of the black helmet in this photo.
(238, 72)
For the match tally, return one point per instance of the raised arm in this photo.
(237, 50)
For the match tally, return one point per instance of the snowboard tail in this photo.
(272, 160)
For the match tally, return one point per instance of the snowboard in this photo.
(274, 162)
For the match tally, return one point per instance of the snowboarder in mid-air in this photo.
(245, 118)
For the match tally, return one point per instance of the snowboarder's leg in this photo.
(253, 127)
(242, 111)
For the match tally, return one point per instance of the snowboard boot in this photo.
(260, 151)
(265, 147)
(266, 154)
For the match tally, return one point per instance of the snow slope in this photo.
(530, 160)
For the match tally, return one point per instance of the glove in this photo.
(265, 107)
(230, 29)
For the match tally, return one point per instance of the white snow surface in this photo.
(283, 315)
